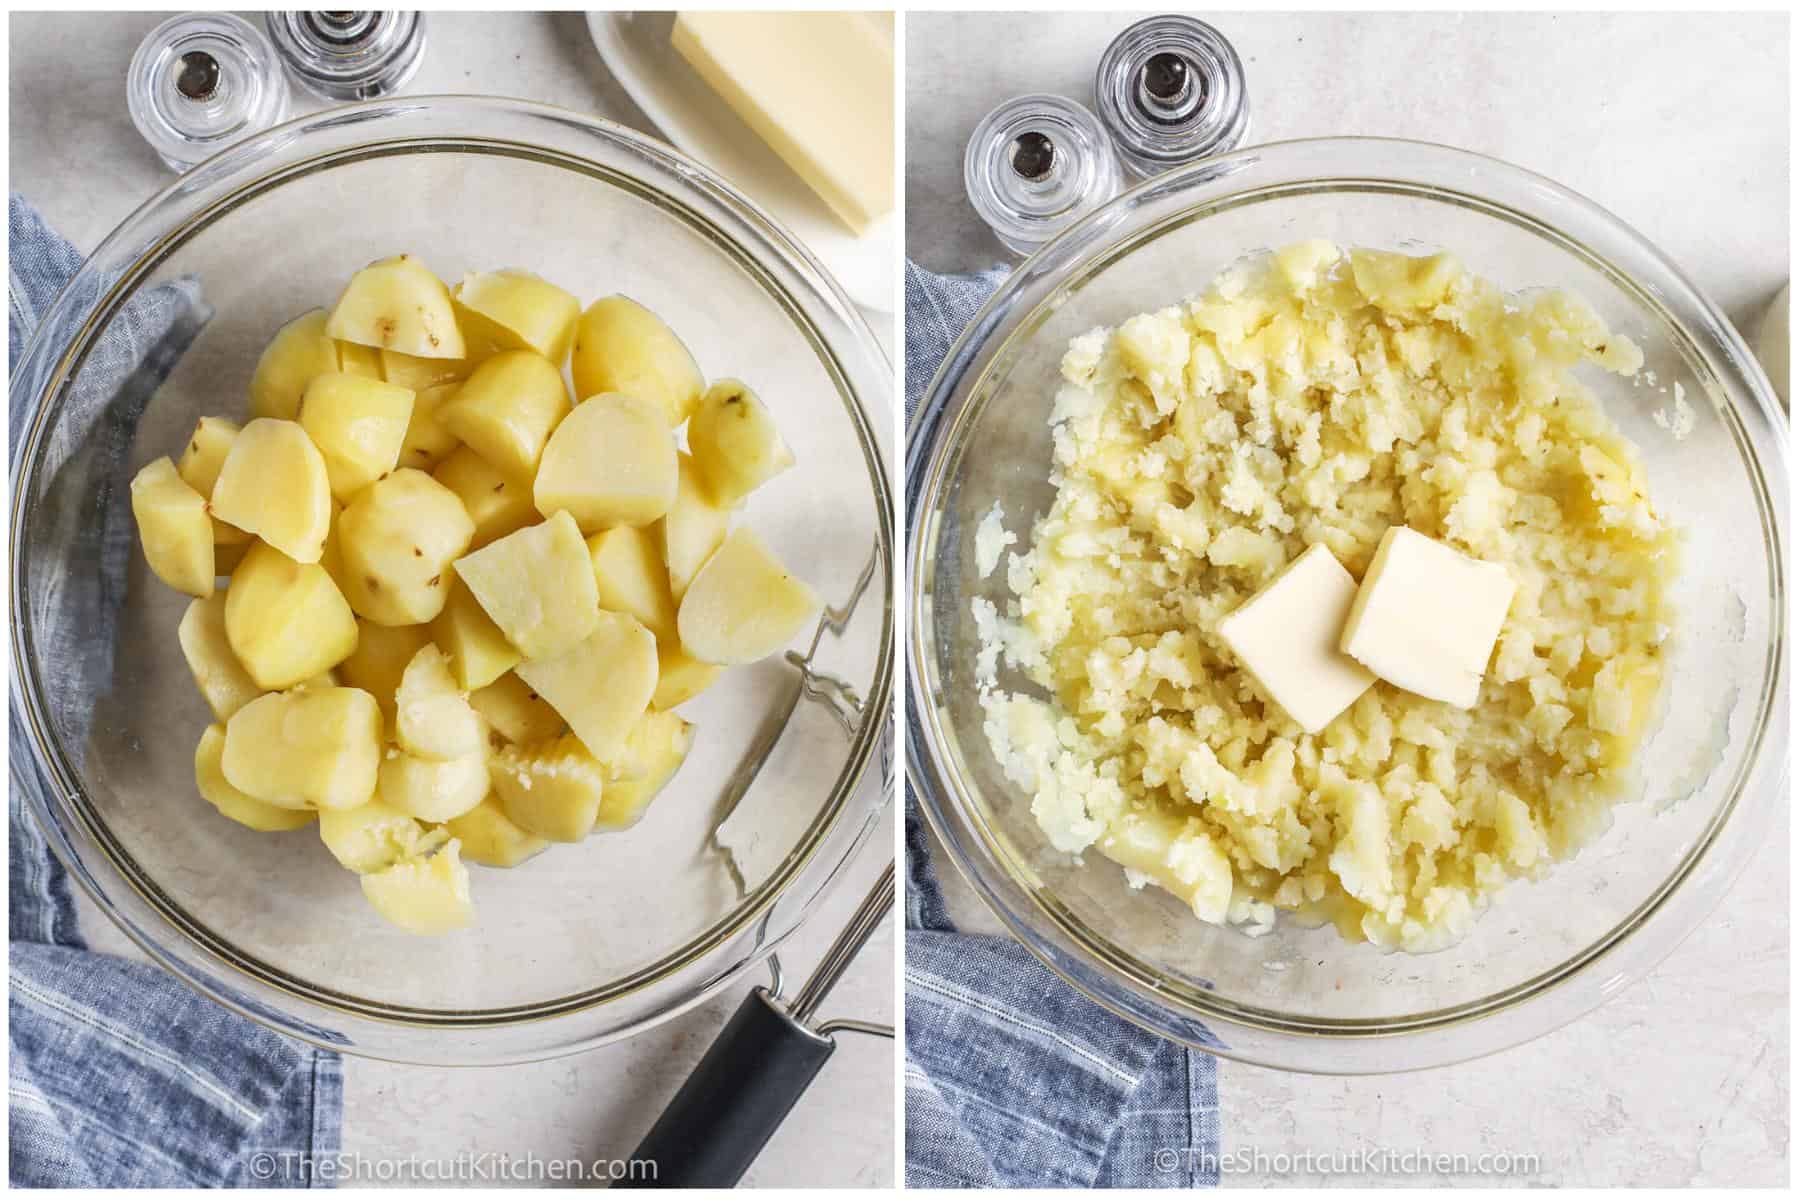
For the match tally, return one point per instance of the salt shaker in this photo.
(1035, 165)
(1170, 90)
(201, 81)
(349, 55)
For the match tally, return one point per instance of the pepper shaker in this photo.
(1171, 90)
(1034, 166)
(201, 81)
(349, 55)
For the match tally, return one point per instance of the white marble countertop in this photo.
(74, 153)
(1678, 124)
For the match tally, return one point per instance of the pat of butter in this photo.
(818, 87)
(1427, 616)
(1287, 638)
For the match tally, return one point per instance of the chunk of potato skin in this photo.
(432, 789)
(427, 896)
(659, 743)
(601, 685)
(374, 836)
(427, 443)
(621, 346)
(537, 585)
(174, 527)
(478, 652)
(199, 467)
(735, 443)
(221, 678)
(359, 426)
(216, 790)
(489, 837)
(273, 484)
(552, 790)
(380, 659)
(516, 712)
(516, 310)
(507, 409)
(398, 538)
(692, 528)
(611, 462)
(398, 304)
(630, 578)
(306, 748)
(432, 717)
(496, 502)
(744, 605)
(286, 621)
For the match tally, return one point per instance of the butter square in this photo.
(1427, 616)
(1287, 634)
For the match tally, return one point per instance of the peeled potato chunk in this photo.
(427, 443)
(680, 677)
(478, 652)
(299, 351)
(610, 462)
(621, 346)
(743, 605)
(374, 836)
(380, 659)
(417, 374)
(494, 500)
(507, 408)
(286, 621)
(174, 527)
(424, 895)
(658, 743)
(398, 539)
(273, 484)
(692, 528)
(314, 747)
(397, 304)
(433, 718)
(537, 585)
(735, 443)
(221, 678)
(359, 426)
(432, 789)
(488, 836)
(199, 467)
(216, 790)
(630, 578)
(516, 712)
(601, 685)
(516, 310)
(552, 790)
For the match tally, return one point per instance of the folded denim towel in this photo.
(120, 1075)
(1013, 1078)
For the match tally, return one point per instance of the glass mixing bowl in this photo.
(1712, 769)
(583, 944)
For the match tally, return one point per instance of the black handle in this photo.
(729, 1108)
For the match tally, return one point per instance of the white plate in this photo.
(635, 47)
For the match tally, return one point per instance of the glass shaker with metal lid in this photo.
(1170, 90)
(349, 55)
(201, 81)
(1035, 165)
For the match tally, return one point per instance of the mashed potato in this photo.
(1322, 396)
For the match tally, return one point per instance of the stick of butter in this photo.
(818, 87)
(1427, 616)
(1287, 638)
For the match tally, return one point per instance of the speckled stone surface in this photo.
(74, 153)
(1678, 124)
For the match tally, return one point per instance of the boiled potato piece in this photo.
(221, 678)
(507, 408)
(397, 304)
(659, 743)
(680, 677)
(174, 527)
(427, 442)
(398, 539)
(537, 585)
(216, 790)
(516, 310)
(227, 555)
(424, 895)
(308, 748)
(432, 789)
(735, 443)
(359, 426)
(299, 351)
(743, 605)
(497, 503)
(601, 685)
(516, 712)
(610, 462)
(417, 374)
(692, 528)
(199, 467)
(488, 836)
(478, 652)
(380, 659)
(621, 346)
(433, 718)
(374, 836)
(552, 790)
(273, 484)
(286, 621)
(630, 577)
(363, 362)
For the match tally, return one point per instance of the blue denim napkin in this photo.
(121, 1076)
(1013, 1078)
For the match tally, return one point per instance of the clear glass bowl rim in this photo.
(683, 188)
(1111, 976)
